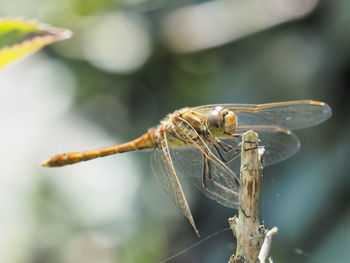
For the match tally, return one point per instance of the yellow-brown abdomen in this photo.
(148, 140)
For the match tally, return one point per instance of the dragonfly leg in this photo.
(223, 160)
(219, 153)
(205, 171)
(236, 135)
(252, 148)
(245, 214)
(237, 149)
(210, 178)
(207, 178)
(206, 175)
(228, 148)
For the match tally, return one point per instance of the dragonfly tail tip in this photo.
(195, 229)
(45, 164)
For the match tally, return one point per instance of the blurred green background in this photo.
(129, 63)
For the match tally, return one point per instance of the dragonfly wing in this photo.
(280, 144)
(164, 171)
(291, 115)
(189, 163)
(221, 183)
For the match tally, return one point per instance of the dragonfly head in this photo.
(221, 121)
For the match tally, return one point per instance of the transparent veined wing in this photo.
(165, 173)
(279, 143)
(189, 161)
(291, 115)
(189, 164)
(201, 164)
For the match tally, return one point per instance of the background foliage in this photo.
(19, 37)
(117, 77)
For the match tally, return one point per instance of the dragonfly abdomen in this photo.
(148, 140)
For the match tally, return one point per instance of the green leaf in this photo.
(19, 37)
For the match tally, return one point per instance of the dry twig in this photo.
(246, 227)
(266, 246)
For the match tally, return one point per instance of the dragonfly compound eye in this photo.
(215, 120)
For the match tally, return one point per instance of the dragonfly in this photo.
(202, 144)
